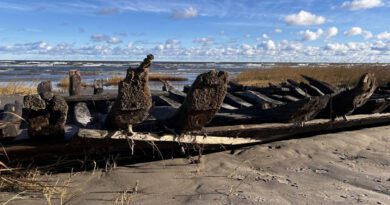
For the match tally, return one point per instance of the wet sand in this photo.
(348, 167)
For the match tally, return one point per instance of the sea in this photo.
(33, 72)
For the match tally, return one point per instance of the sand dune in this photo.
(342, 168)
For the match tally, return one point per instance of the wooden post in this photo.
(74, 82)
(98, 86)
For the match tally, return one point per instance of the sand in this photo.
(348, 167)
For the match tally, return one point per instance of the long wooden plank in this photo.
(259, 131)
(245, 134)
(104, 97)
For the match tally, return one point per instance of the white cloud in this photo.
(204, 41)
(331, 32)
(278, 30)
(361, 4)
(311, 35)
(265, 36)
(383, 36)
(304, 18)
(268, 45)
(367, 34)
(354, 31)
(186, 13)
(105, 38)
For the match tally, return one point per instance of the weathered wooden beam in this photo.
(277, 131)
(166, 101)
(284, 98)
(325, 87)
(314, 91)
(373, 106)
(257, 98)
(98, 86)
(103, 97)
(235, 101)
(74, 82)
(11, 118)
(296, 112)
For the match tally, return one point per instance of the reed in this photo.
(338, 75)
(18, 88)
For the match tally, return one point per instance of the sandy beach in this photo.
(348, 167)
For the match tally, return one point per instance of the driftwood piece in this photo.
(325, 87)
(313, 91)
(236, 101)
(44, 89)
(345, 102)
(203, 100)
(295, 112)
(74, 82)
(134, 98)
(11, 120)
(296, 91)
(98, 86)
(45, 118)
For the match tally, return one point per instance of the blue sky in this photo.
(203, 30)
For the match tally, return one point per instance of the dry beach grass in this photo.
(339, 75)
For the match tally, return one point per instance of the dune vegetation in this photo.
(338, 75)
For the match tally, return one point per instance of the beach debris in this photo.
(98, 86)
(45, 90)
(202, 102)
(11, 120)
(134, 98)
(45, 117)
(81, 114)
(324, 87)
(74, 82)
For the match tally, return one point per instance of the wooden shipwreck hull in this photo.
(212, 115)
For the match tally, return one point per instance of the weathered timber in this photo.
(166, 101)
(295, 112)
(44, 89)
(345, 102)
(167, 86)
(373, 106)
(236, 101)
(284, 98)
(279, 131)
(313, 91)
(325, 87)
(257, 98)
(74, 82)
(225, 106)
(100, 141)
(177, 95)
(134, 98)
(203, 100)
(11, 120)
(98, 86)
(293, 82)
(296, 91)
(45, 118)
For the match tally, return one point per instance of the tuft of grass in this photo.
(18, 88)
(338, 75)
